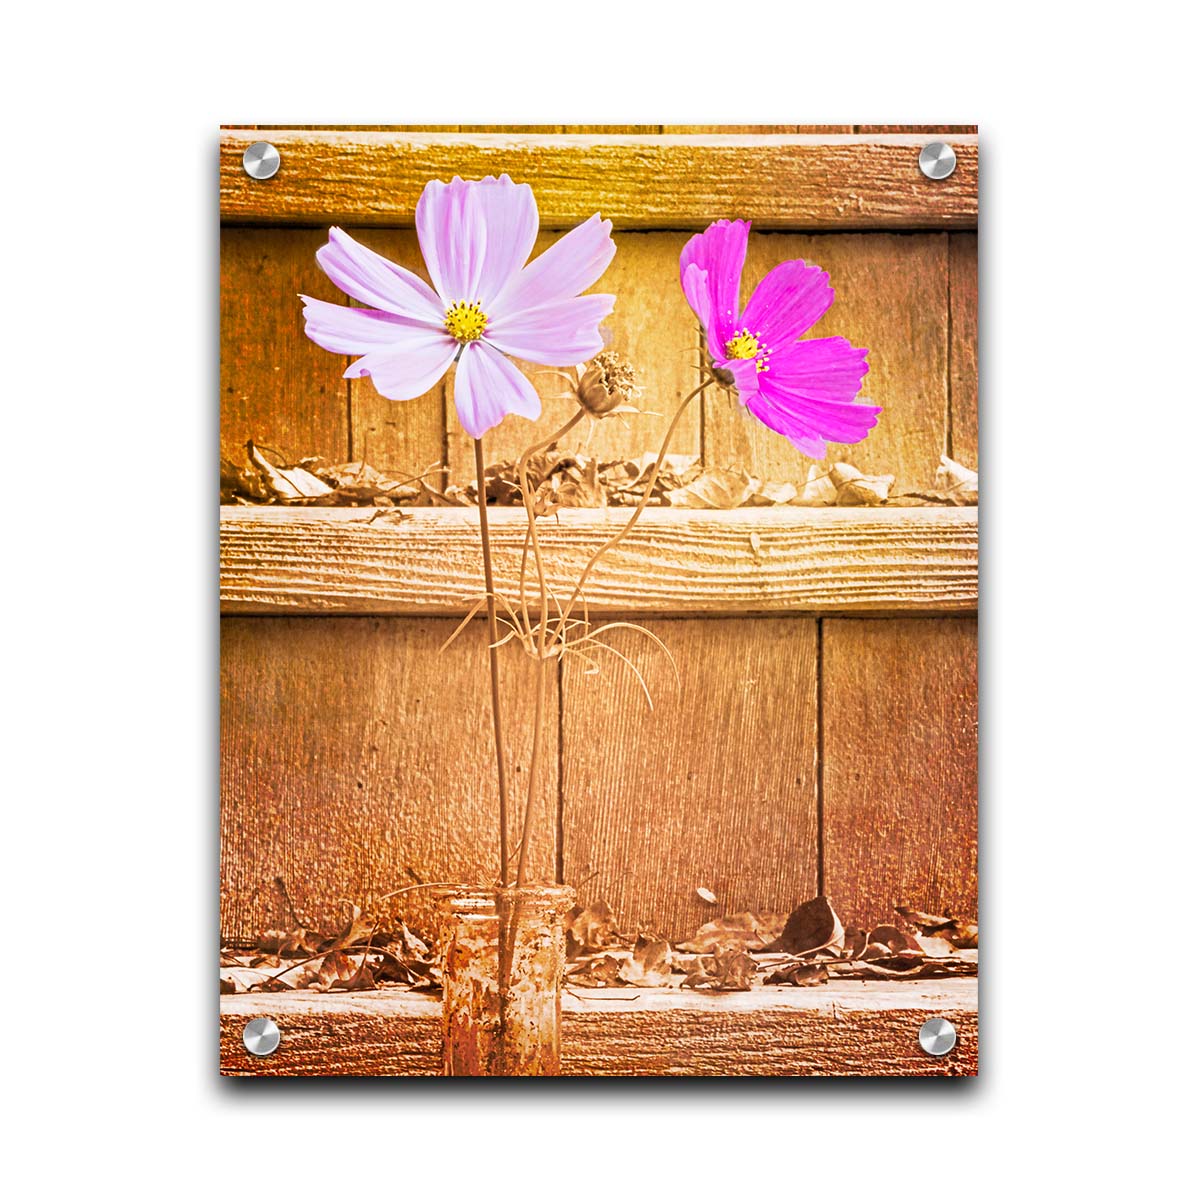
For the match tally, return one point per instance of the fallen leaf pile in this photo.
(359, 957)
(563, 480)
(804, 948)
(734, 953)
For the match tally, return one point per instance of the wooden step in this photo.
(844, 1027)
(675, 562)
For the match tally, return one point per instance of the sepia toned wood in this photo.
(840, 1028)
(716, 787)
(899, 782)
(401, 437)
(891, 298)
(719, 129)
(355, 760)
(277, 387)
(964, 349)
(658, 339)
(812, 181)
(971, 129)
(426, 561)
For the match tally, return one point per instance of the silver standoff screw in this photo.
(937, 1037)
(261, 1036)
(937, 161)
(261, 160)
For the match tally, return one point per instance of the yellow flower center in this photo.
(465, 322)
(747, 345)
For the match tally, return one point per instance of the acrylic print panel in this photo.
(598, 593)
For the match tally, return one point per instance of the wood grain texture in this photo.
(277, 387)
(842, 1028)
(899, 719)
(400, 436)
(715, 788)
(964, 349)
(675, 562)
(971, 129)
(658, 338)
(824, 181)
(891, 298)
(352, 756)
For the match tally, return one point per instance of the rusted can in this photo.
(503, 955)
(532, 959)
(470, 962)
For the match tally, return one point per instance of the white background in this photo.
(1089, 465)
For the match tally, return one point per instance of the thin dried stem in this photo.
(543, 623)
(637, 512)
(493, 658)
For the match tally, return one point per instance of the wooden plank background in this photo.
(804, 751)
(639, 181)
(904, 297)
(325, 561)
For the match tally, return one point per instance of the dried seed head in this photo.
(607, 384)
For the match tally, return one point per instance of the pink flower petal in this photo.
(487, 387)
(555, 335)
(797, 431)
(570, 266)
(819, 368)
(791, 299)
(416, 358)
(346, 330)
(720, 251)
(807, 393)
(372, 279)
(694, 281)
(453, 237)
(511, 217)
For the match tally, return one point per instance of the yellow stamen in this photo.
(747, 345)
(466, 322)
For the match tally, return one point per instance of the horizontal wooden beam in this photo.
(426, 561)
(672, 181)
(840, 1028)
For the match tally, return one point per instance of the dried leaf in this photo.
(855, 488)
(809, 974)
(958, 483)
(590, 929)
(746, 930)
(727, 970)
(716, 488)
(811, 927)
(288, 483)
(649, 965)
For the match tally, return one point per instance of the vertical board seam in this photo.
(949, 439)
(559, 832)
(820, 757)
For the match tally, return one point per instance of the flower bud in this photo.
(607, 385)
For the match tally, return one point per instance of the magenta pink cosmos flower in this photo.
(803, 390)
(485, 302)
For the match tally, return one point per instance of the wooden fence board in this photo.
(715, 788)
(657, 337)
(841, 1028)
(964, 349)
(277, 387)
(891, 298)
(427, 561)
(899, 769)
(352, 754)
(822, 181)
(401, 436)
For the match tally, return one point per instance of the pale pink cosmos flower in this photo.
(803, 390)
(486, 302)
